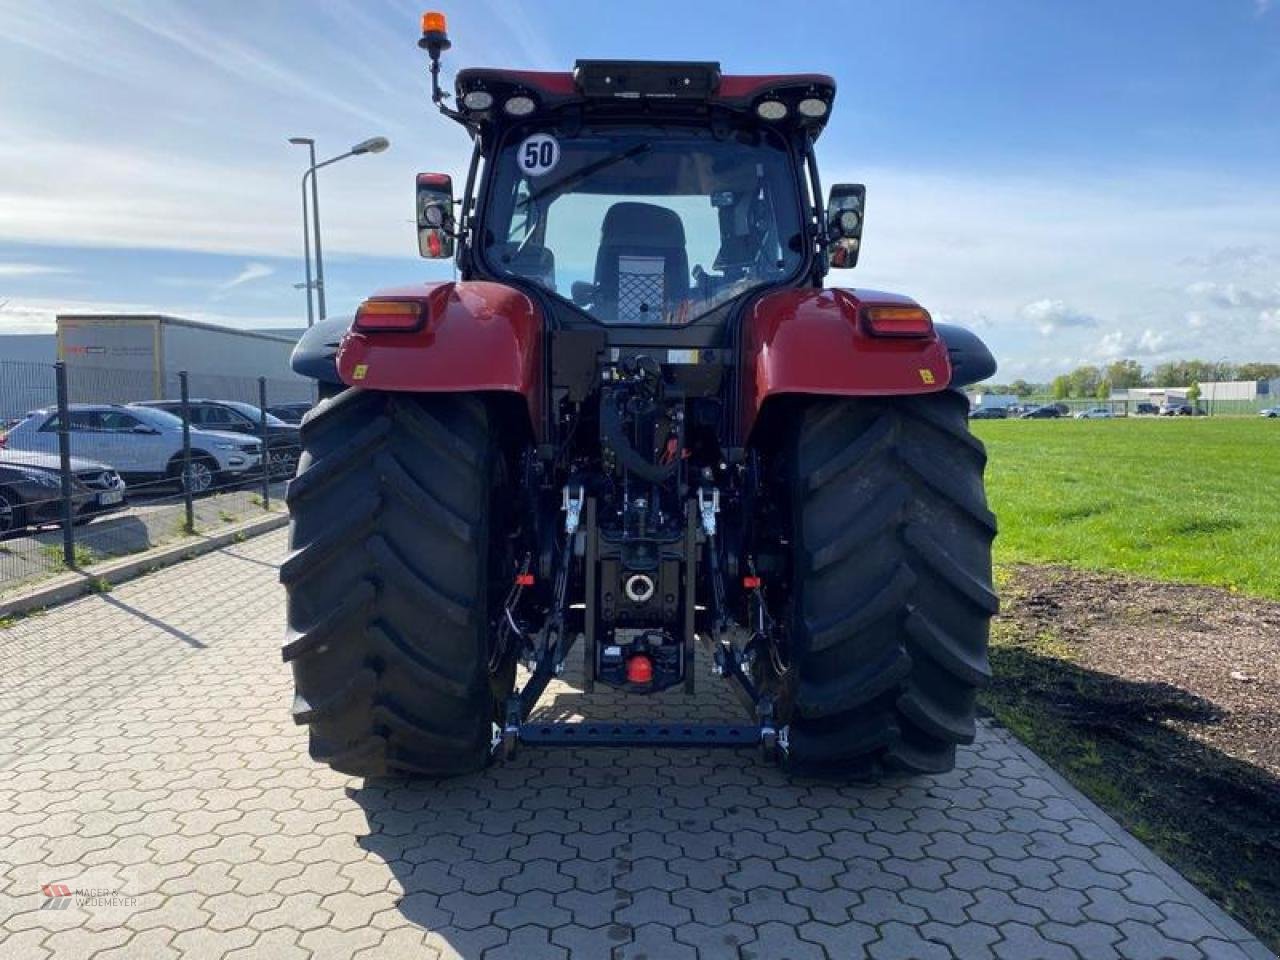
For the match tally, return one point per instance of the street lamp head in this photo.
(372, 145)
(301, 140)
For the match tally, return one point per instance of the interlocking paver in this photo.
(174, 766)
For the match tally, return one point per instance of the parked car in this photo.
(1094, 413)
(1146, 410)
(989, 413)
(1048, 412)
(1269, 412)
(1181, 410)
(290, 412)
(283, 439)
(142, 444)
(31, 490)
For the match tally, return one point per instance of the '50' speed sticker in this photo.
(538, 154)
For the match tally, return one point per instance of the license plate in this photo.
(108, 497)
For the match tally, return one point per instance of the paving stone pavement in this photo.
(147, 757)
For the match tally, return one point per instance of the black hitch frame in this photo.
(729, 662)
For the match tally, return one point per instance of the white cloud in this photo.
(1234, 258)
(1119, 344)
(1269, 321)
(1231, 295)
(251, 272)
(30, 269)
(1050, 316)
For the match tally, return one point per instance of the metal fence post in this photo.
(187, 496)
(64, 466)
(266, 444)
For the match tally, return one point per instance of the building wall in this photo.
(1230, 390)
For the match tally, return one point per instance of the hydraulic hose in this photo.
(632, 460)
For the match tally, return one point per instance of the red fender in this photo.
(478, 336)
(811, 341)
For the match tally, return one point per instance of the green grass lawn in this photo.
(1194, 500)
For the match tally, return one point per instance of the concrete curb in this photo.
(1230, 928)
(69, 586)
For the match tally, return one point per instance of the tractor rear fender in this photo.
(473, 336)
(806, 341)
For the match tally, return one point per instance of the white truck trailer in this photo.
(116, 358)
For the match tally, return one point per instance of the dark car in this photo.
(989, 413)
(1042, 413)
(290, 412)
(1146, 410)
(31, 490)
(237, 417)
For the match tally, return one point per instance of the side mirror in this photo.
(435, 216)
(142, 428)
(845, 210)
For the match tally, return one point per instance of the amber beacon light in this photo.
(435, 33)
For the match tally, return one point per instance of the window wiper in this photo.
(591, 169)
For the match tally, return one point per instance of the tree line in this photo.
(1090, 381)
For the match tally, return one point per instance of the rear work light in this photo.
(897, 321)
(399, 315)
(519, 106)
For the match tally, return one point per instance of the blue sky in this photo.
(1079, 180)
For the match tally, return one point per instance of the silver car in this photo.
(144, 445)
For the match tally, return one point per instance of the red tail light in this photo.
(639, 669)
(897, 321)
(391, 315)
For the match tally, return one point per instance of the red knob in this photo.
(640, 669)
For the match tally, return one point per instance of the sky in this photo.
(1078, 180)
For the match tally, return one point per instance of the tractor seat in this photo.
(642, 269)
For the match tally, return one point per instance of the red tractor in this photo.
(640, 424)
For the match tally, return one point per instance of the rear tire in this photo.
(892, 588)
(388, 583)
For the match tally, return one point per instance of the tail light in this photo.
(897, 321)
(639, 669)
(391, 315)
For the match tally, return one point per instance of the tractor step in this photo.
(597, 734)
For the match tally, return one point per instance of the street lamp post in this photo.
(306, 228)
(372, 145)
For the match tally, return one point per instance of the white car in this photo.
(1094, 413)
(144, 445)
(1269, 412)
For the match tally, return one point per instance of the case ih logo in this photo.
(57, 896)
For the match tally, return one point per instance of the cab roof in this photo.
(650, 88)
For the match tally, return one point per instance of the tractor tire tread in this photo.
(387, 583)
(893, 593)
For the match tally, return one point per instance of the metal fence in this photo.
(1207, 406)
(95, 465)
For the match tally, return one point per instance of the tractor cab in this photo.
(638, 194)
